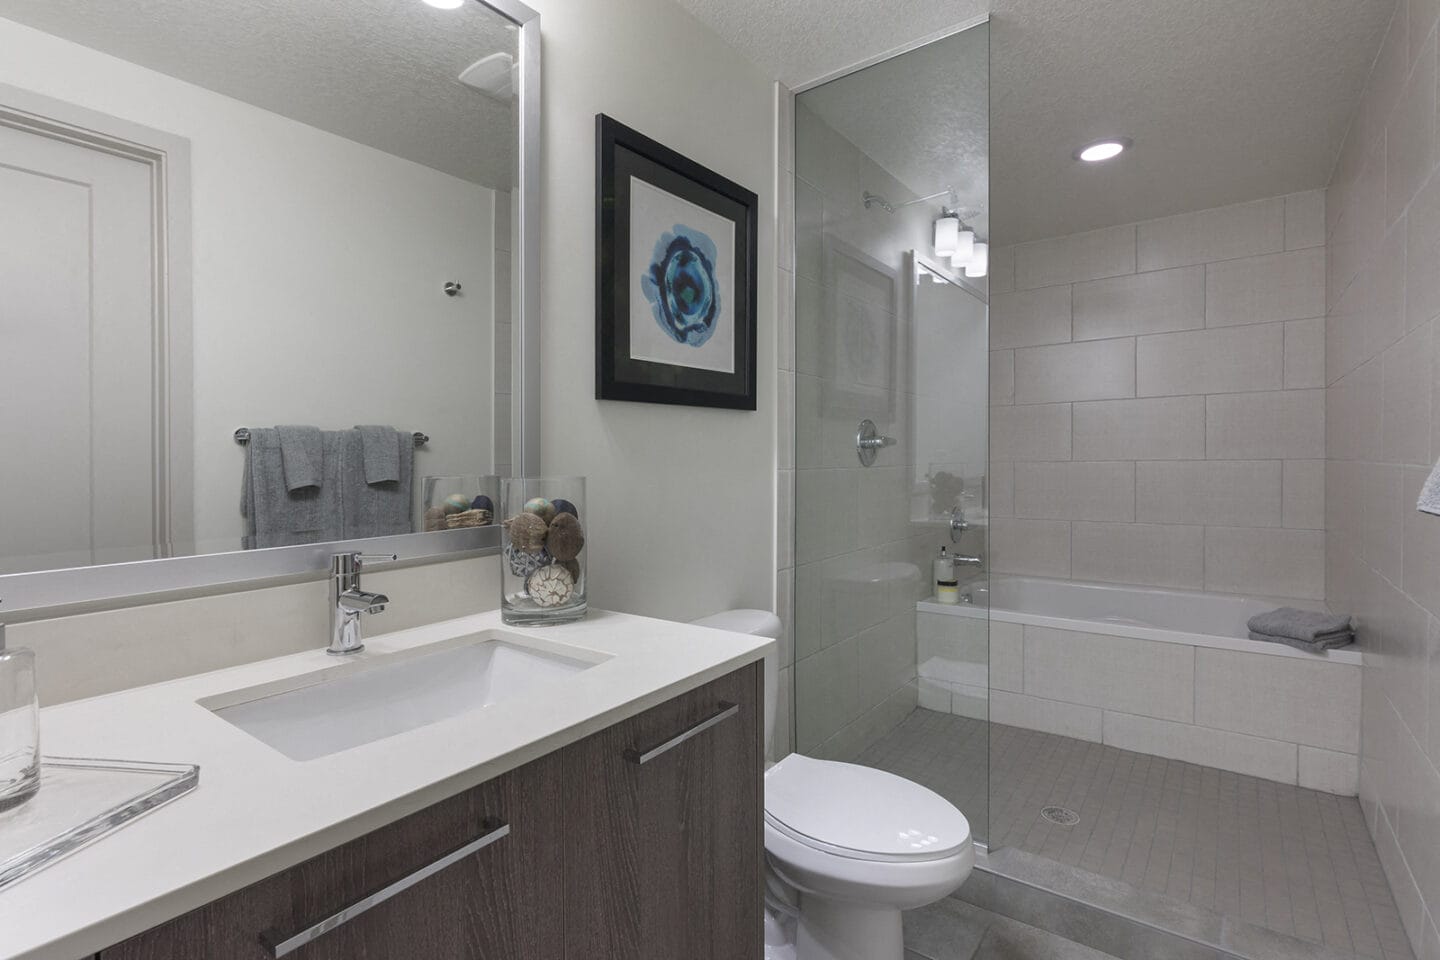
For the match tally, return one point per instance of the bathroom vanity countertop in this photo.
(256, 812)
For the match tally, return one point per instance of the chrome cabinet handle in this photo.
(725, 712)
(497, 829)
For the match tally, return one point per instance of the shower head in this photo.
(874, 199)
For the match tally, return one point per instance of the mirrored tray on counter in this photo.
(79, 801)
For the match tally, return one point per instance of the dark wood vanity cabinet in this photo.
(641, 841)
(664, 832)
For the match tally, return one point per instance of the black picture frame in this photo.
(622, 154)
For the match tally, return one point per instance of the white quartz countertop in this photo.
(256, 812)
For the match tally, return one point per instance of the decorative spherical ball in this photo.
(434, 519)
(550, 586)
(522, 564)
(574, 567)
(457, 503)
(565, 506)
(541, 507)
(482, 502)
(566, 537)
(527, 532)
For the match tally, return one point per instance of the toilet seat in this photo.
(860, 813)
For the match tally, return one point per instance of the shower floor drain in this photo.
(1060, 816)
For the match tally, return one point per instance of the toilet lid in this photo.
(866, 812)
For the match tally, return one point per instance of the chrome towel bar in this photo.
(242, 437)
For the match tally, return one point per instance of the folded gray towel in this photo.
(381, 448)
(375, 509)
(1303, 625)
(276, 516)
(302, 453)
(1342, 639)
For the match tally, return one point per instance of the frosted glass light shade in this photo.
(947, 236)
(964, 248)
(979, 264)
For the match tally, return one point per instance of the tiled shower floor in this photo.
(1297, 861)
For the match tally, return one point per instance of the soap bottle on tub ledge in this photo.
(947, 588)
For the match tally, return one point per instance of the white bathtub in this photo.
(1171, 673)
(1145, 613)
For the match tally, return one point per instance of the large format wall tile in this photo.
(1255, 756)
(1145, 677)
(1279, 286)
(1095, 370)
(1039, 548)
(1030, 432)
(1164, 428)
(1282, 424)
(1241, 493)
(1225, 360)
(1284, 698)
(1157, 302)
(1276, 563)
(1030, 317)
(1048, 716)
(1152, 554)
(1085, 256)
(1223, 233)
(1075, 491)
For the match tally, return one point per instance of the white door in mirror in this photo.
(76, 320)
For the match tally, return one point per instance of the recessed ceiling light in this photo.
(446, 4)
(1102, 150)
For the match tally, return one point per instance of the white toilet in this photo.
(847, 848)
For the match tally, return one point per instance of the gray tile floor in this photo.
(1292, 860)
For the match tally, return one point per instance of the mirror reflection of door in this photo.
(77, 312)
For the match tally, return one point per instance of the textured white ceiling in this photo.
(381, 72)
(1227, 100)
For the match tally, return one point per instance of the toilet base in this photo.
(832, 930)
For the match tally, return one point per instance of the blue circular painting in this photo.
(681, 286)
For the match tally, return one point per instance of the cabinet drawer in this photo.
(492, 903)
(664, 855)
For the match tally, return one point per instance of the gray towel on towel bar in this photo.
(381, 449)
(1307, 626)
(276, 516)
(302, 454)
(1330, 642)
(376, 509)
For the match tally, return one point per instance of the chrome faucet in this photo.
(348, 601)
(969, 561)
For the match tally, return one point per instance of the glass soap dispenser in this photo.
(19, 725)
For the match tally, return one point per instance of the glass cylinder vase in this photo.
(19, 725)
(543, 567)
(453, 503)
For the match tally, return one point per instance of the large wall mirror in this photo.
(263, 270)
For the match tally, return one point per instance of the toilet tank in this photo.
(758, 623)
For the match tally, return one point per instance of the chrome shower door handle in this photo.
(868, 441)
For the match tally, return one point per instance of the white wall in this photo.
(681, 499)
(318, 267)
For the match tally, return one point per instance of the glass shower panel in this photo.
(892, 340)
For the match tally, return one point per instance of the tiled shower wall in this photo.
(1157, 402)
(1383, 435)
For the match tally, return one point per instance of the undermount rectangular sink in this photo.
(324, 712)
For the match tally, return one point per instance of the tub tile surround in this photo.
(1288, 719)
(1165, 377)
(1382, 221)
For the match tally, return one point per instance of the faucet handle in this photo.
(374, 557)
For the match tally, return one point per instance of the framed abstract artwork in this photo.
(675, 277)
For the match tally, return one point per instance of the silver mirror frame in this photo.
(33, 596)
